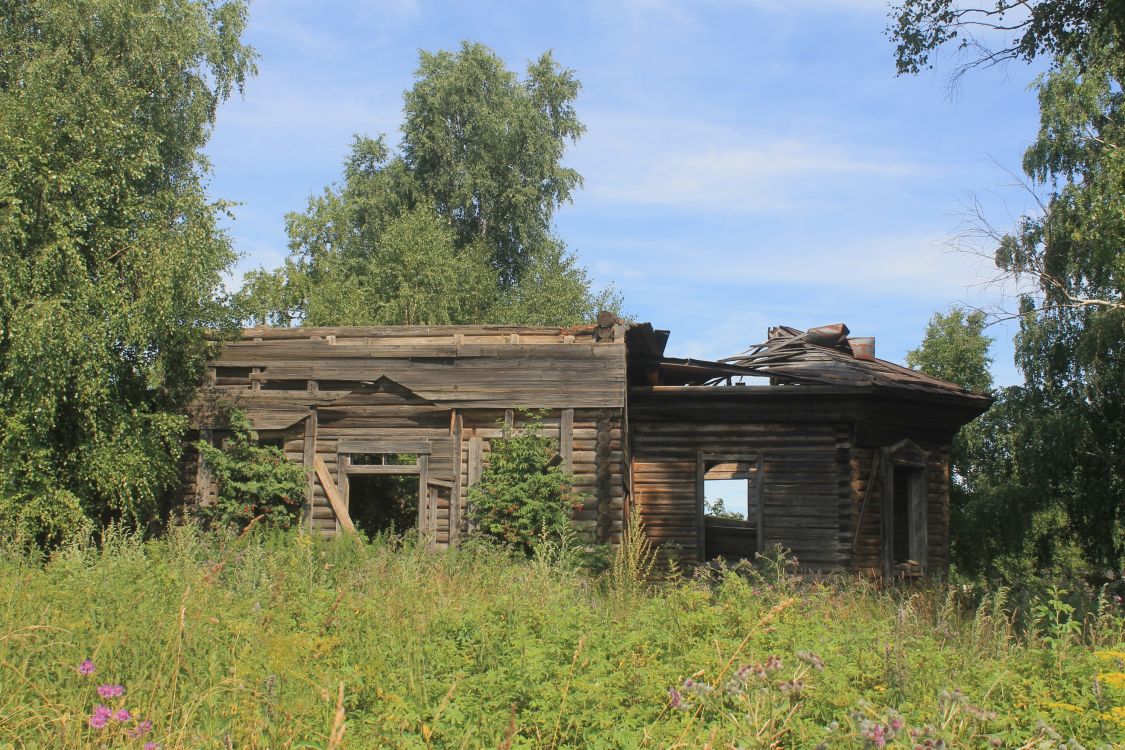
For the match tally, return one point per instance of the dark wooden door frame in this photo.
(905, 454)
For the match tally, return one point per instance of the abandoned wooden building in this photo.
(843, 458)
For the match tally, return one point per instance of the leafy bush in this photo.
(253, 480)
(523, 497)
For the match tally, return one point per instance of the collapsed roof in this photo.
(822, 356)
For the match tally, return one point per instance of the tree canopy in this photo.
(457, 227)
(1065, 426)
(110, 256)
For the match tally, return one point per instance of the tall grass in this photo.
(289, 641)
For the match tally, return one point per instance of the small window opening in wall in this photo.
(285, 385)
(271, 441)
(232, 376)
(384, 459)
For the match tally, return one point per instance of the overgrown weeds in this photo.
(283, 640)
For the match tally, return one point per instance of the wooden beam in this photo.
(759, 501)
(333, 494)
(566, 439)
(474, 469)
(309, 456)
(886, 514)
(423, 495)
(700, 533)
(360, 445)
(456, 431)
(391, 469)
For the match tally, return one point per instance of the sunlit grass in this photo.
(223, 643)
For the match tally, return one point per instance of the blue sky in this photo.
(746, 162)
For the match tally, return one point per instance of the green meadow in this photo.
(282, 640)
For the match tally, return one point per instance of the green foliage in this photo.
(111, 261)
(1048, 483)
(253, 480)
(523, 497)
(1028, 28)
(225, 642)
(955, 349)
(717, 509)
(458, 227)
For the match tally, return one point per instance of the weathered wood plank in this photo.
(333, 494)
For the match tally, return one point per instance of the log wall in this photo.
(448, 391)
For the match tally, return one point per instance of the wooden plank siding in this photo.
(449, 388)
(446, 393)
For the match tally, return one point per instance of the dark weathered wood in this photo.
(759, 503)
(430, 390)
(456, 430)
(423, 494)
(566, 439)
(309, 457)
(700, 509)
(338, 506)
(389, 470)
(360, 445)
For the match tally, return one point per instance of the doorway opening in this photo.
(908, 533)
(382, 491)
(383, 503)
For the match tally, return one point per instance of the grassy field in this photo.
(284, 641)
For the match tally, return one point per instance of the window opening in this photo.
(730, 516)
(727, 498)
(384, 459)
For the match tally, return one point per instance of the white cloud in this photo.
(699, 167)
(920, 266)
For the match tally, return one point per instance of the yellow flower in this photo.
(1111, 655)
(1113, 679)
(1064, 706)
(1116, 715)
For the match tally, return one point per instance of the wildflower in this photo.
(141, 729)
(773, 663)
(814, 661)
(122, 715)
(111, 691)
(676, 698)
(86, 668)
(100, 716)
(151, 746)
(697, 688)
(1113, 679)
(792, 688)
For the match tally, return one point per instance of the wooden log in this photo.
(333, 495)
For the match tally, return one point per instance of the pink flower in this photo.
(151, 746)
(111, 691)
(86, 667)
(141, 729)
(122, 715)
(100, 716)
